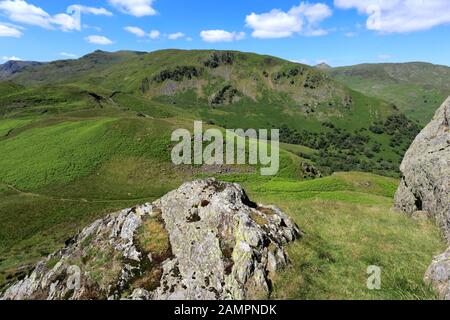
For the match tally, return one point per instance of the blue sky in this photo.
(339, 32)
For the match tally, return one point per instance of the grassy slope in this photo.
(268, 96)
(59, 174)
(418, 89)
(349, 225)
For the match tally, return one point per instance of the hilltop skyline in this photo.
(339, 32)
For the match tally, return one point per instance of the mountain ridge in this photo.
(417, 88)
(230, 89)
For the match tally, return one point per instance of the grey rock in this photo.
(13, 67)
(424, 189)
(425, 184)
(221, 246)
(438, 275)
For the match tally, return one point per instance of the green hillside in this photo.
(228, 89)
(416, 88)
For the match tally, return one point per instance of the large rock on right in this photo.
(425, 187)
(425, 183)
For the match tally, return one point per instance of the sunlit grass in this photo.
(342, 239)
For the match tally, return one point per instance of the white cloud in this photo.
(400, 16)
(138, 32)
(303, 19)
(67, 22)
(9, 31)
(154, 34)
(137, 8)
(385, 56)
(23, 12)
(314, 13)
(274, 24)
(176, 36)
(13, 58)
(221, 36)
(68, 55)
(90, 10)
(101, 40)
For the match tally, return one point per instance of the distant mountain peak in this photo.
(323, 66)
(12, 67)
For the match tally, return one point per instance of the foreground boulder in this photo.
(438, 275)
(205, 240)
(425, 188)
(425, 185)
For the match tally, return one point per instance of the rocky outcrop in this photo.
(438, 275)
(425, 188)
(12, 67)
(205, 240)
(227, 95)
(425, 184)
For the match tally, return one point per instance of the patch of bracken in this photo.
(179, 73)
(288, 74)
(218, 59)
(225, 96)
(145, 85)
(313, 80)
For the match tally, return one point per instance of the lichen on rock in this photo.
(205, 240)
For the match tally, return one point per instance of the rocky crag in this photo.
(13, 67)
(205, 240)
(425, 187)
